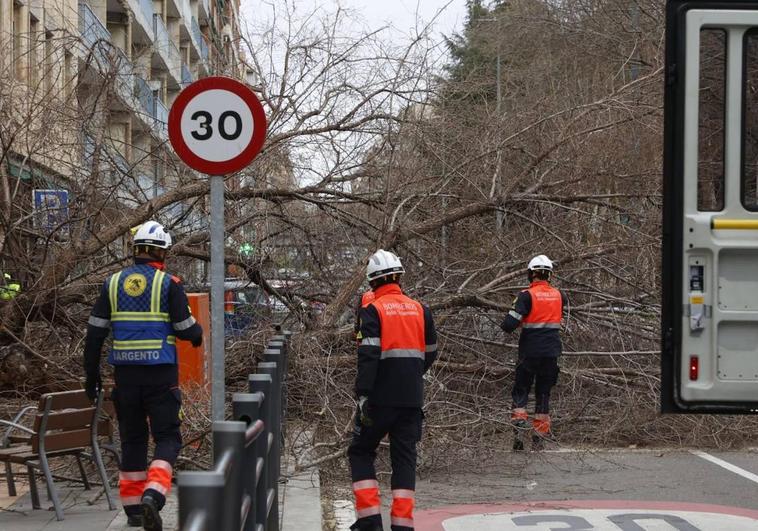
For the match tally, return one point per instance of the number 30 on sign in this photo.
(217, 125)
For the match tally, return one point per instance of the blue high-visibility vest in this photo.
(142, 330)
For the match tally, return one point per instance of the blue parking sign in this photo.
(51, 211)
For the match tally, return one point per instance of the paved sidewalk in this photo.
(83, 511)
(299, 505)
(300, 494)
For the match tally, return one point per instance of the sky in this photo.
(400, 14)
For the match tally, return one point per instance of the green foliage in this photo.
(471, 75)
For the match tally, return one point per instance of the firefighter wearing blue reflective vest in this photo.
(398, 344)
(538, 310)
(146, 310)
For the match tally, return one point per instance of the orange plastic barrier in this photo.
(194, 362)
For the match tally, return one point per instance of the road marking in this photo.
(728, 466)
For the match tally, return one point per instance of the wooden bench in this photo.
(66, 423)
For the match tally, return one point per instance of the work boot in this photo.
(519, 430)
(134, 520)
(151, 516)
(539, 439)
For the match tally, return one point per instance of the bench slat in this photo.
(66, 400)
(64, 440)
(67, 419)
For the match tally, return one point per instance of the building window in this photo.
(711, 120)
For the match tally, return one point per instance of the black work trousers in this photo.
(543, 373)
(403, 424)
(138, 405)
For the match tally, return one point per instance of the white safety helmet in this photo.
(153, 234)
(540, 262)
(383, 263)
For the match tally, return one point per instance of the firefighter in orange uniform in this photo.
(398, 344)
(366, 299)
(538, 310)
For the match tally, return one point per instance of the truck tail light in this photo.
(694, 367)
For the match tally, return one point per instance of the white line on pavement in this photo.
(728, 466)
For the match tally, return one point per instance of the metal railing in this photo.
(94, 33)
(145, 96)
(241, 491)
(199, 39)
(186, 75)
(161, 118)
(166, 47)
(146, 7)
(125, 77)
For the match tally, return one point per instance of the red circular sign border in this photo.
(201, 164)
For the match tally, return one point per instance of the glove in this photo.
(363, 411)
(198, 341)
(92, 385)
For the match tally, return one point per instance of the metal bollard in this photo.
(280, 342)
(272, 369)
(228, 452)
(202, 492)
(246, 407)
(263, 384)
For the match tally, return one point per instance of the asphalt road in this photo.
(628, 490)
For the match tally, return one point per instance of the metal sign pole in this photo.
(211, 116)
(217, 296)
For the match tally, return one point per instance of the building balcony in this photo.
(142, 31)
(199, 41)
(161, 120)
(204, 10)
(95, 36)
(146, 98)
(106, 57)
(124, 83)
(167, 56)
(186, 75)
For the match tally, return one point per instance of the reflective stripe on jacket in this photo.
(402, 325)
(538, 310)
(398, 344)
(142, 330)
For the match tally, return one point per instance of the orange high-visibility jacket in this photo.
(538, 310)
(398, 344)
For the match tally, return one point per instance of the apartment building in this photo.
(90, 84)
(147, 50)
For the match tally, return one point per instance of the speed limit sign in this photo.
(217, 125)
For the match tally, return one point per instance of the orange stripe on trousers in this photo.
(541, 425)
(365, 498)
(130, 487)
(159, 475)
(402, 508)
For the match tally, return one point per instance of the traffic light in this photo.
(246, 250)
